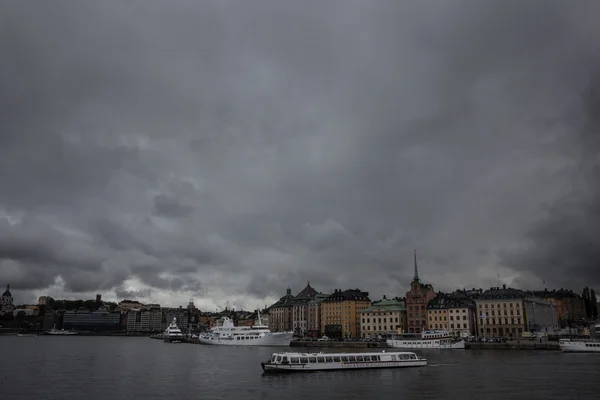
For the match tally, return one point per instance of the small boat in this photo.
(173, 334)
(306, 362)
(438, 339)
(61, 332)
(27, 335)
(579, 346)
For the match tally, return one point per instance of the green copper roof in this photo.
(387, 305)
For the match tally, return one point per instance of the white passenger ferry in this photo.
(173, 334)
(427, 340)
(579, 346)
(258, 335)
(60, 332)
(306, 362)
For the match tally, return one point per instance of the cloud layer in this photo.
(224, 150)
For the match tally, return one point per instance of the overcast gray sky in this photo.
(223, 150)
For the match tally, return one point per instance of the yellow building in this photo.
(383, 318)
(341, 312)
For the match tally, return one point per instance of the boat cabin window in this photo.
(312, 359)
(359, 358)
(285, 360)
(413, 356)
(336, 359)
(321, 359)
(295, 360)
(374, 358)
(304, 360)
(403, 356)
(328, 359)
(345, 358)
(351, 358)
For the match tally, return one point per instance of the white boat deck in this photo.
(298, 362)
(579, 346)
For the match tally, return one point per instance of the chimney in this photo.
(504, 286)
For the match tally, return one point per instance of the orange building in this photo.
(341, 312)
(417, 299)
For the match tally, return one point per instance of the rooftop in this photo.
(450, 300)
(502, 293)
(348, 295)
(395, 304)
(307, 292)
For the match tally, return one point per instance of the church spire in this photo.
(416, 277)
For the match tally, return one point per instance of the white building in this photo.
(383, 318)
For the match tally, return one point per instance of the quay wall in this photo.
(515, 345)
(353, 345)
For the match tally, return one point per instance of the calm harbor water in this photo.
(100, 368)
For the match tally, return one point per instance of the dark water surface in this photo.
(111, 368)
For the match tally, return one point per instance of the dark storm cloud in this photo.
(231, 149)
(566, 239)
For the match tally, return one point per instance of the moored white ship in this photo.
(306, 362)
(428, 340)
(579, 346)
(258, 335)
(173, 334)
(60, 332)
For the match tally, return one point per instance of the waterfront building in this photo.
(453, 312)
(126, 305)
(281, 319)
(500, 312)
(340, 313)
(417, 299)
(26, 312)
(151, 318)
(300, 309)
(84, 320)
(314, 314)
(540, 315)
(383, 318)
(43, 300)
(508, 312)
(570, 308)
(6, 302)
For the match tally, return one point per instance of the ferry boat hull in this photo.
(62, 332)
(429, 339)
(172, 340)
(227, 334)
(425, 344)
(312, 362)
(568, 346)
(282, 339)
